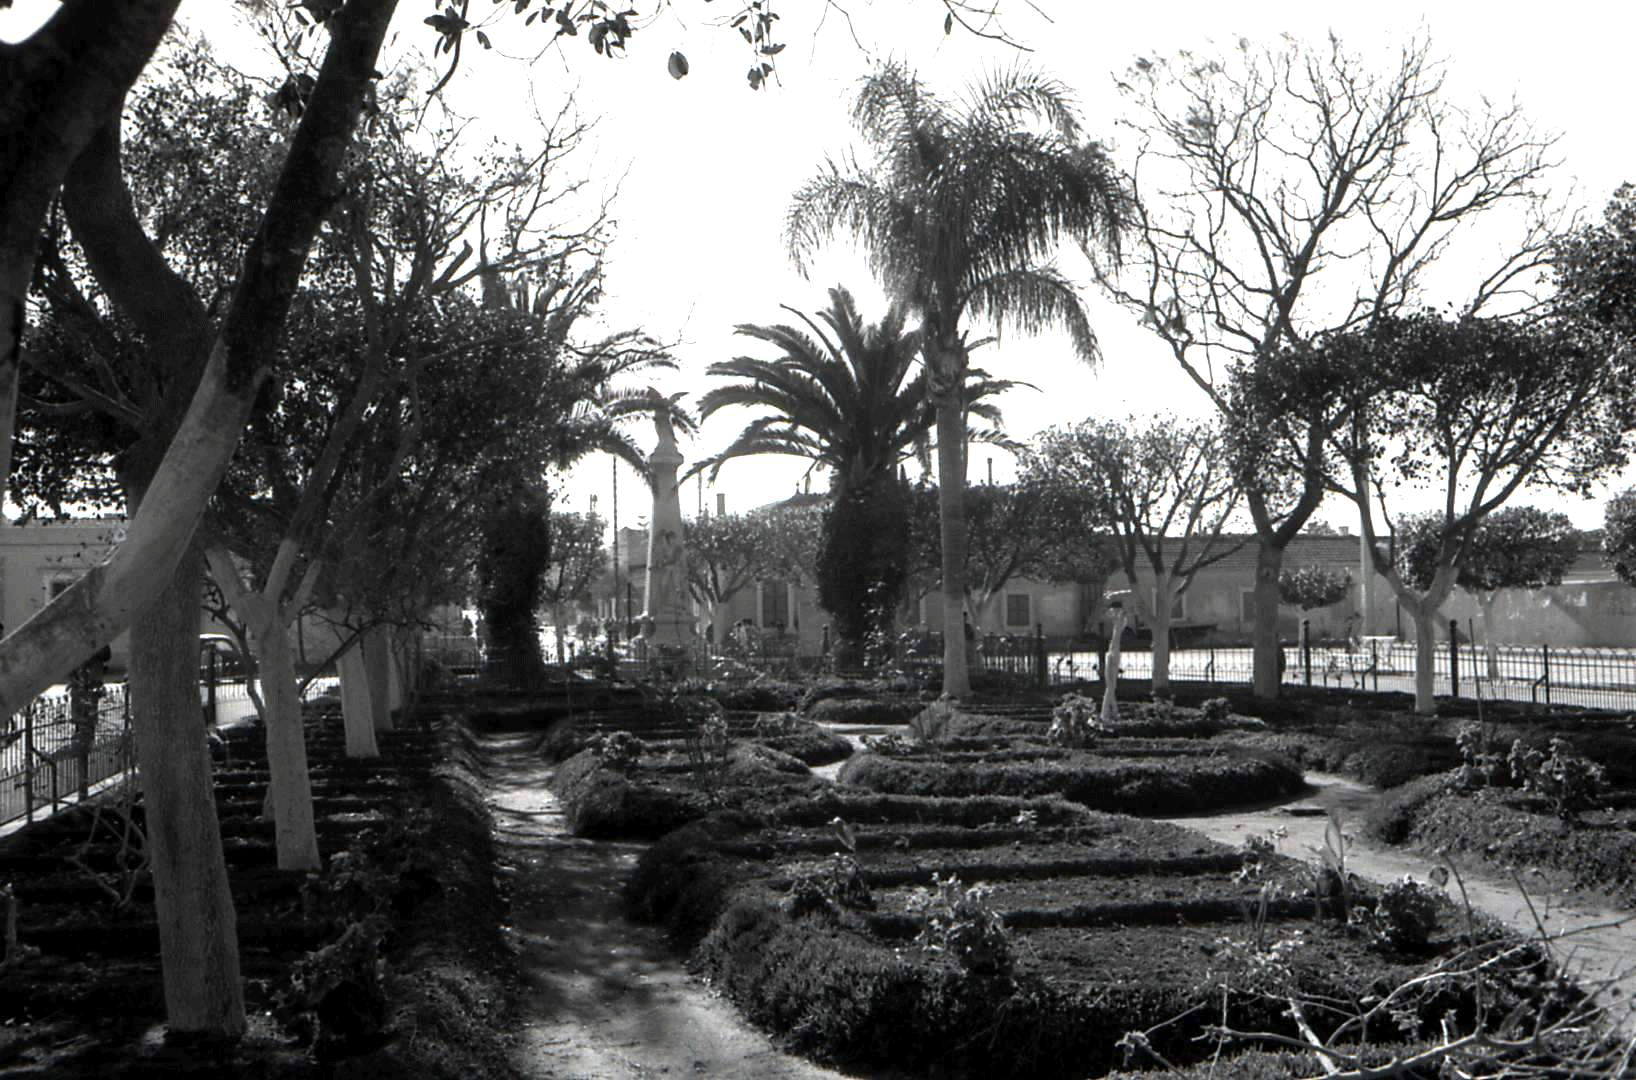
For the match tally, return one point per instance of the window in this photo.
(1178, 605)
(775, 605)
(56, 585)
(1016, 610)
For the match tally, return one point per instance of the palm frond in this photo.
(1035, 299)
(1006, 97)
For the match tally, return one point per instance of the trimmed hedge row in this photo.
(1116, 785)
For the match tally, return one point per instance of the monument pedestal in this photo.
(668, 621)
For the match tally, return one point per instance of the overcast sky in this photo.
(705, 167)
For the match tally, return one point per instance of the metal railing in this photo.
(46, 757)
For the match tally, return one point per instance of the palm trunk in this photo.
(1162, 584)
(356, 714)
(951, 507)
(289, 782)
(193, 903)
(1268, 650)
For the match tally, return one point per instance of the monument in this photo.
(668, 620)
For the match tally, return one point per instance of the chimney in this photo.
(721, 504)
(1346, 530)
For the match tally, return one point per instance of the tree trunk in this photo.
(1269, 651)
(1425, 658)
(394, 670)
(377, 664)
(1485, 602)
(193, 904)
(356, 714)
(1163, 583)
(1110, 670)
(951, 509)
(289, 782)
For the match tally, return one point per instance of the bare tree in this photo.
(1290, 191)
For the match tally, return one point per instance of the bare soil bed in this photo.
(89, 1002)
(1115, 925)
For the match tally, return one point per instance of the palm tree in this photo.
(959, 210)
(841, 394)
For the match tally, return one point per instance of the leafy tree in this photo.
(1472, 408)
(731, 552)
(842, 395)
(1006, 539)
(1516, 547)
(577, 557)
(1312, 587)
(1619, 535)
(511, 585)
(958, 209)
(1287, 192)
(1165, 492)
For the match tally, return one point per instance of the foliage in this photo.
(1571, 783)
(577, 558)
(1160, 485)
(1075, 722)
(1519, 547)
(511, 583)
(1310, 587)
(962, 923)
(1217, 710)
(1619, 535)
(1404, 915)
(1481, 763)
(863, 569)
(834, 884)
(336, 998)
(618, 750)
(1009, 534)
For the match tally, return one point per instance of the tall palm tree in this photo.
(843, 394)
(959, 209)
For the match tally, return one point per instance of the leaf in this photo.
(771, 50)
(677, 65)
(1439, 876)
(483, 40)
(948, 23)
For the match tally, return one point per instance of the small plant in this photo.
(1256, 912)
(890, 745)
(707, 746)
(930, 725)
(1404, 916)
(833, 884)
(1572, 783)
(1075, 722)
(962, 923)
(618, 750)
(1216, 710)
(770, 725)
(1163, 709)
(1332, 878)
(336, 998)
(1481, 763)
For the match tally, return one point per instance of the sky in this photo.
(705, 167)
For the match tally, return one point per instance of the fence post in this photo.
(1041, 677)
(1454, 658)
(1306, 650)
(1545, 658)
(28, 761)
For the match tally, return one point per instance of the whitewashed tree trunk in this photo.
(1425, 657)
(193, 904)
(378, 668)
(395, 684)
(1163, 585)
(951, 505)
(1110, 671)
(356, 713)
(289, 781)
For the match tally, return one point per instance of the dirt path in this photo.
(609, 999)
(1597, 944)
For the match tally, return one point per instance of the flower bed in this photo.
(1169, 784)
(1097, 927)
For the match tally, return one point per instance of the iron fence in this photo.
(49, 754)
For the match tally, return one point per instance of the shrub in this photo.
(618, 750)
(962, 923)
(828, 886)
(863, 710)
(1570, 782)
(1216, 710)
(1391, 820)
(1075, 722)
(1404, 915)
(336, 999)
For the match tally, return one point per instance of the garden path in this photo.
(609, 999)
(1597, 944)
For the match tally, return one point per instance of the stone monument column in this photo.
(668, 618)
